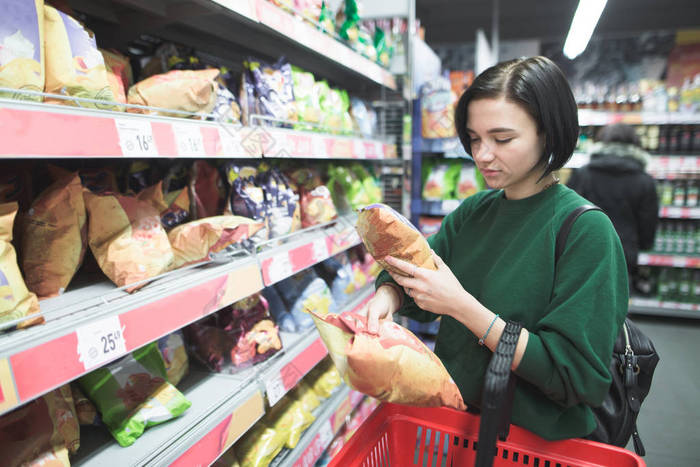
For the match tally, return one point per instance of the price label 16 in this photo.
(100, 342)
(136, 137)
(188, 139)
(320, 250)
(274, 387)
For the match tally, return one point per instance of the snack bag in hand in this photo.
(385, 232)
(392, 365)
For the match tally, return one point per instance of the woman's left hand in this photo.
(438, 291)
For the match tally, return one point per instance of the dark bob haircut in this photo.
(541, 89)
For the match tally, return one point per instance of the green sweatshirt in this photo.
(502, 251)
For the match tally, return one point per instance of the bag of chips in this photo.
(279, 311)
(99, 180)
(22, 49)
(303, 292)
(317, 207)
(282, 204)
(133, 394)
(54, 237)
(206, 188)
(305, 395)
(195, 241)
(127, 239)
(17, 302)
(468, 181)
(385, 232)
(324, 378)
(392, 365)
(74, 65)
(338, 274)
(116, 64)
(247, 199)
(259, 446)
(440, 181)
(437, 109)
(43, 432)
(274, 88)
(172, 349)
(84, 408)
(183, 90)
(289, 419)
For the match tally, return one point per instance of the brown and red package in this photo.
(54, 237)
(317, 207)
(385, 232)
(194, 241)
(117, 66)
(100, 180)
(41, 433)
(127, 239)
(206, 189)
(392, 365)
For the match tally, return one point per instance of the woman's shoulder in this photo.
(591, 222)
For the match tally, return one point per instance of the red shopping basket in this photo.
(398, 435)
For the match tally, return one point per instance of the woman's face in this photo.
(506, 146)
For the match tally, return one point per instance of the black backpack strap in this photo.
(566, 228)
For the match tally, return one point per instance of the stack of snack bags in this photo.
(338, 274)
(305, 292)
(236, 337)
(445, 180)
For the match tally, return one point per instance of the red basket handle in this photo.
(497, 398)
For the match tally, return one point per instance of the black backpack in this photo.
(632, 367)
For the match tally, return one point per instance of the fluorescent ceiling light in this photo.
(585, 20)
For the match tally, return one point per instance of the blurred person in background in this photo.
(616, 181)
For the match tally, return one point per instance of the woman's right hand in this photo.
(385, 302)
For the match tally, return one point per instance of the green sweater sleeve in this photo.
(568, 351)
(441, 243)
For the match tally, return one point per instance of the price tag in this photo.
(320, 250)
(318, 147)
(136, 137)
(358, 149)
(643, 259)
(100, 342)
(274, 387)
(325, 434)
(231, 143)
(679, 262)
(188, 139)
(280, 267)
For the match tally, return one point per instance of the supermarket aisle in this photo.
(670, 417)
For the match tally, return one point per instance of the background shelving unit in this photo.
(224, 406)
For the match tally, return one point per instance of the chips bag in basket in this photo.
(392, 365)
(17, 301)
(385, 232)
(54, 237)
(133, 394)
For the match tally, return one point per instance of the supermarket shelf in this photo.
(671, 167)
(300, 354)
(34, 129)
(674, 212)
(329, 419)
(295, 30)
(438, 208)
(223, 408)
(676, 261)
(646, 306)
(78, 319)
(587, 117)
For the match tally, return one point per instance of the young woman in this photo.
(495, 258)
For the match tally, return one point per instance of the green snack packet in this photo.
(451, 180)
(326, 19)
(369, 183)
(133, 394)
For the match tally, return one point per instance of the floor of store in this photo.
(669, 422)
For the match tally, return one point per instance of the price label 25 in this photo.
(136, 137)
(100, 342)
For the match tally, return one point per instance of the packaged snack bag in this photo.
(393, 365)
(84, 409)
(99, 180)
(17, 302)
(274, 88)
(324, 378)
(127, 238)
(289, 419)
(279, 311)
(385, 232)
(440, 181)
(364, 121)
(22, 48)
(132, 394)
(206, 189)
(338, 274)
(207, 343)
(317, 207)
(41, 433)
(259, 446)
(306, 101)
(172, 349)
(437, 109)
(195, 241)
(305, 395)
(176, 195)
(116, 65)
(54, 237)
(282, 204)
(303, 292)
(468, 184)
(183, 90)
(74, 65)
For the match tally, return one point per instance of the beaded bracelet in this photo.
(481, 341)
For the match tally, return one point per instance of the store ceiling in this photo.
(453, 21)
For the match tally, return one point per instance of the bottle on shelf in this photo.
(696, 286)
(663, 139)
(697, 238)
(679, 193)
(666, 193)
(660, 237)
(685, 286)
(663, 283)
(670, 243)
(691, 234)
(672, 285)
(685, 142)
(691, 195)
(680, 238)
